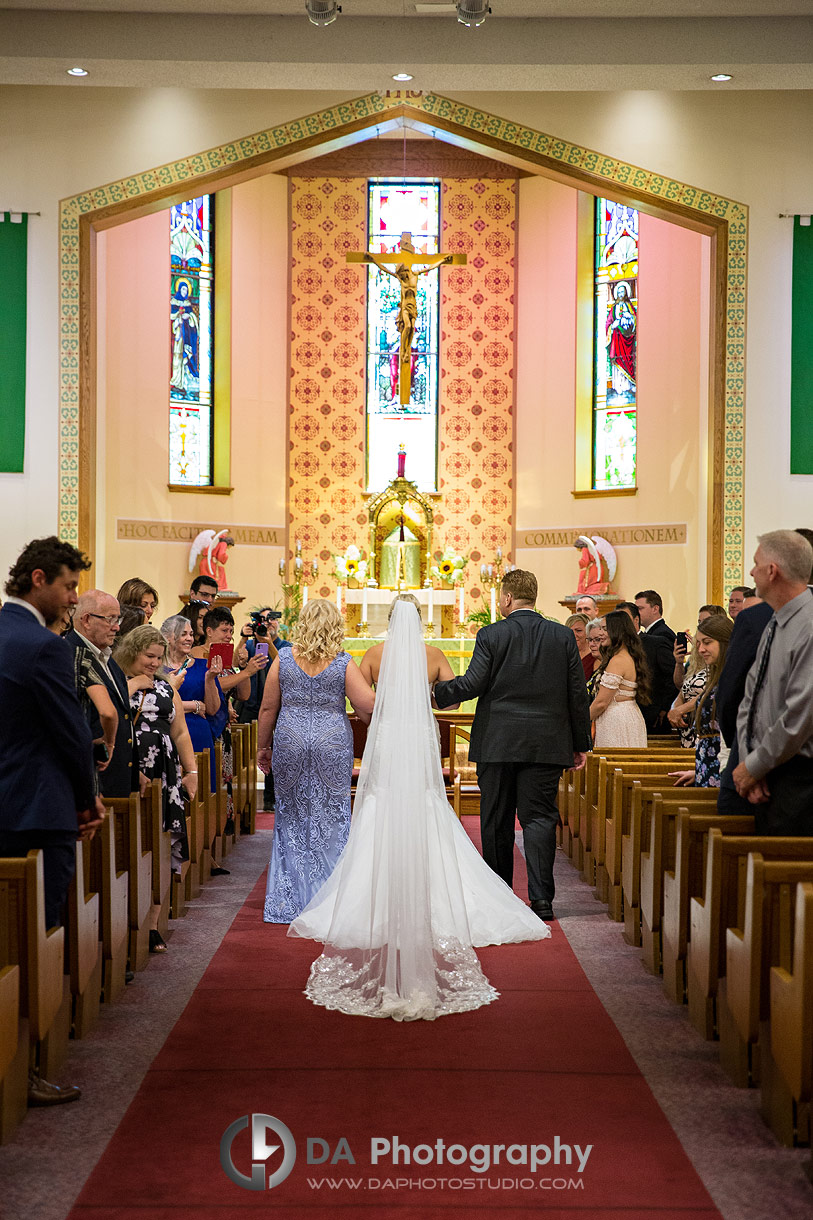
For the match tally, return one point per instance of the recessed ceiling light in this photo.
(720, 76)
(77, 72)
(402, 76)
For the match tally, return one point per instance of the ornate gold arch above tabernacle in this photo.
(724, 220)
(400, 503)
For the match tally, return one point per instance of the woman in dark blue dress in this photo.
(711, 644)
(304, 707)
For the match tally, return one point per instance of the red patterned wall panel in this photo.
(328, 299)
(477, 373)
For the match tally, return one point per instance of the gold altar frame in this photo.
(383, 514)
(724, 221)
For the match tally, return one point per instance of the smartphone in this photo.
(100, 752)
(262, 648)
(226, 651)
(682, 640)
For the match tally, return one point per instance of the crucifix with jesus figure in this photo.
(406, 266)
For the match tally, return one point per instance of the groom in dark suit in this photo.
(532, 721)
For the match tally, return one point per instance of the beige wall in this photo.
(672, 398)
(134, 374)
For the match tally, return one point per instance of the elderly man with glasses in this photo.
(96, 622)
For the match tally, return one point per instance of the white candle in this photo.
(462, 610)
(430, 606)
(493, 605)
(364, 604)
(339, 598)
(304, 596)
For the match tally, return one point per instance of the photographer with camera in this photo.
(261, 632)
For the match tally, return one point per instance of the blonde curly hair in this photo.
(128, 647)
(320, 631)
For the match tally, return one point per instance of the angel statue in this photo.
(595, 551)
(212, 550)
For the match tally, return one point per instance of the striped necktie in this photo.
(761, 671)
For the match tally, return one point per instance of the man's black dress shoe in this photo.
(219, 872)
(43, 1093)
(543, 909)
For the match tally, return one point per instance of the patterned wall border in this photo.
(82, 215)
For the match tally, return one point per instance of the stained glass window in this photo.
(394, 209)
(191, 299)
(616, 346)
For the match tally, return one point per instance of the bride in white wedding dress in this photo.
(410, 895)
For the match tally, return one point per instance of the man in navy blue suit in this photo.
(47, 792)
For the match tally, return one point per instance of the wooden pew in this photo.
(38, 953)
(684, 882)
(722, 907)
(199, 821)
(243, 780)
(586, 796)
(250, 759)
(760, 938)
(137, 860)
(657, 857)
(644, 837)
(14, 1038)
(218, 812)
(601, 815)
(465, 789)
(621, 785)
(787, 1053)
(84, 944)
(110, 879)
(157, 841)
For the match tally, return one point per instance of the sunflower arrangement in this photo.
(351, 566)
(450, 568)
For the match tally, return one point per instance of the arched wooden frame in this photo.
(724, 221)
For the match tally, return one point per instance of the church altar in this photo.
(457, 649)
(378, 602)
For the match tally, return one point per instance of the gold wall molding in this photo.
(130, 530)
(616, 535)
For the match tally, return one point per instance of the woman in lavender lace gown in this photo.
(304, 708)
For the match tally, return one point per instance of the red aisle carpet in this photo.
(544, 1061)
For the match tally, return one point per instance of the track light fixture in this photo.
(322, 12)
(472, 12)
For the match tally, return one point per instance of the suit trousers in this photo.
(526, 791)
(790, 809)
(58, 849)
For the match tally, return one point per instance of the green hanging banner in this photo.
(801, 350)
(13, 251)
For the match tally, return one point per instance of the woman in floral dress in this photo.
(711, 644)
(164, 745)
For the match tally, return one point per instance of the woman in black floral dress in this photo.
(711, 644)
(164, 745)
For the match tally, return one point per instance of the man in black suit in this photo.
(532, 721)
(740, 656)
(658, 640)
(95, 627)
(47, 796)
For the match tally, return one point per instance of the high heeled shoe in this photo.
(157, 942)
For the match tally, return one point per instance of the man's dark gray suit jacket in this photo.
(528, 679)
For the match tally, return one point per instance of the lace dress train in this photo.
(411, 896)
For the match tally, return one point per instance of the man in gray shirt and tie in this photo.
(775, 720)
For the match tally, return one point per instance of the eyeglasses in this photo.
(113, 620)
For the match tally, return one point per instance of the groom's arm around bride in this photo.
(532, 721)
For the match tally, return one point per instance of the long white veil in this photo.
(396, 914)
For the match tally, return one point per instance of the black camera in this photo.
(259, 627)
